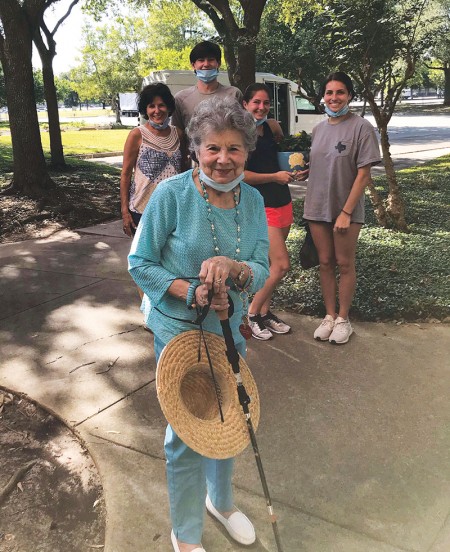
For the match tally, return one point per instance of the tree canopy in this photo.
(300, 51)
(236, 24)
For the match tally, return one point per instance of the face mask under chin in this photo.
(227, 187)
(339, 113)
(162, 126)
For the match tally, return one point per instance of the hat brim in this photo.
(188, 396)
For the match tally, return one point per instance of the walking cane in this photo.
(244, 399)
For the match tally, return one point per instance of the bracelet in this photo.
(345, 212)
(248, 284)
(240, 276)
(191, 294)
(242, 286)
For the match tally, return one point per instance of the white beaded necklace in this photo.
(213, 227)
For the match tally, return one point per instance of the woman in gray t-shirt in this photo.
(344, 148)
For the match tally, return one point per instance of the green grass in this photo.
(83, 142)
(66, 114)
(97, 112)
(400, 276)
(6, 159)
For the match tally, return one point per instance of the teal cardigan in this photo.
(174, 238)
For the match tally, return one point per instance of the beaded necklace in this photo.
(244, 327)
(213, 227)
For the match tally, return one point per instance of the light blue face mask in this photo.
(259, 122)
(220, 187)
(207, 75)
(159, 127)
(339, 113)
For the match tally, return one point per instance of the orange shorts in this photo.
(280, 217)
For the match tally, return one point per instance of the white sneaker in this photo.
(275, 324)
(259, 330)
(341, 332)
(325, 329)
(239, 527)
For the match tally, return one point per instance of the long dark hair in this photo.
(341, 77)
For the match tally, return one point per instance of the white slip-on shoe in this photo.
(239, 527)
(341, 332)
(325, 329)
(173, 538)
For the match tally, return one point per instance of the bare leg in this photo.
(322, 234)
(279, 267)
(345, 248)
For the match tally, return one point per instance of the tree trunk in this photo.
(228, 47)
(115, 106)
(56, 147)
(395, 206)
(447, 86)
(239, 42)
(363, 112)
(246, 66)
(30, 175)
(378, 205)
(47, 54)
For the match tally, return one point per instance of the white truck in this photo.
(128, 104)
(292, 111)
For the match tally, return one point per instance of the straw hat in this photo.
(189, 401)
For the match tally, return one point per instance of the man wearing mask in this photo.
(205, 59)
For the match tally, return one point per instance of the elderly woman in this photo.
(204, 222)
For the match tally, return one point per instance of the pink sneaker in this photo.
(325, 329)
(341, 332)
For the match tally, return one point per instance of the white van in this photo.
(128, 104)
(292, 111)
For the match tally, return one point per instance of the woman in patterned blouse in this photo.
(153, 152)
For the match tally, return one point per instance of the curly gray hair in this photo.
(219, 114)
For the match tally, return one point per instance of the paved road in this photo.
(355, 440)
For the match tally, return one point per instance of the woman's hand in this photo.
(128, 224)
(283, 177)
(214, 272)
(342, 223)
(219, 301)
(299, 176)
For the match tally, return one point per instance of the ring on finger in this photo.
(218, 281)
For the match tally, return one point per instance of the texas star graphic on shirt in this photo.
(340, 147)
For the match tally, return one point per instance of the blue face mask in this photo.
(220, 187)
(207, 75)
(159, 127)
(339, 113)
(259, 122)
